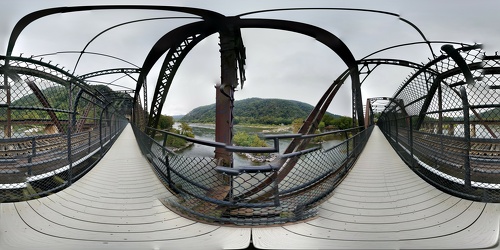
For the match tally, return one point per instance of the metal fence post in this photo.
(465, 103)
(276, 192)
(88, 149)
(412, 161)
(347, 140)
(167, 161)
(69, 128)
(33, 150)
(396, 130)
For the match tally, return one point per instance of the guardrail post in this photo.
(167, 162)
(100, 135)
(397, 132)
(169, 175)
(465, 103)
(347, 140)
(389, 128)
(33, 150)
(276, 191)
(69, 128)
(90, 137)
(410, 136)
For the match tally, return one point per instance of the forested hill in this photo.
(255, 111)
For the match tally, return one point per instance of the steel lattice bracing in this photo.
(170, 65)
(111, 71)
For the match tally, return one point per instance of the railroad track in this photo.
(448, 154)
(24, 157)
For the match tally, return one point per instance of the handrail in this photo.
(205, 189)
(36, 165)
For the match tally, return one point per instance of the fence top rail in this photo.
(241, 149)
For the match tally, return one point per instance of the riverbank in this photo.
(263, 128)
(259, 158)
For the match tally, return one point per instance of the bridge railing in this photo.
(253, 195)
(453, 140)
(465, 167)
(54, 128)
(34, 166)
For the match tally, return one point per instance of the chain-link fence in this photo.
(253, 195)
(54, 127)
(445, 123)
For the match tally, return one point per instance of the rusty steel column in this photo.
(225, 93)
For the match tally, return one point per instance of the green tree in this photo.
(321, 126)
(328, 119)
(343, 122)
(176, 142)
(166, 122)
(297, 124)
(185, 128)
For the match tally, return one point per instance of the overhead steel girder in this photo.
(385, 61)
(34, 72)
(95, 74)
(167, 42)
(390, 61)
(437, 81)
(492, 70)
(399, 102)
(110, 71)
(179, 41)
(462, 65)
(323, 36)
(26, 20)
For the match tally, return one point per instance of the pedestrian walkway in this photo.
(381, 204)
(115, 206)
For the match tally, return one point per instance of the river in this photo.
(207, 132)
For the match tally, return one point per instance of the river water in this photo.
(207, 132)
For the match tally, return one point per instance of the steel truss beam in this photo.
(176, 54)
(111, 71)
(321, 35)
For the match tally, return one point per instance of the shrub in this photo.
(247, 140)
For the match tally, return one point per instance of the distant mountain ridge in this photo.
(255, 111)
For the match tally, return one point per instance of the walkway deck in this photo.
(115, 206)
(381, 204)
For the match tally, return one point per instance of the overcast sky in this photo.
(279, 64)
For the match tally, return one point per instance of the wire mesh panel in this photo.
(451, 137)
(251, 195)
(52, 126)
